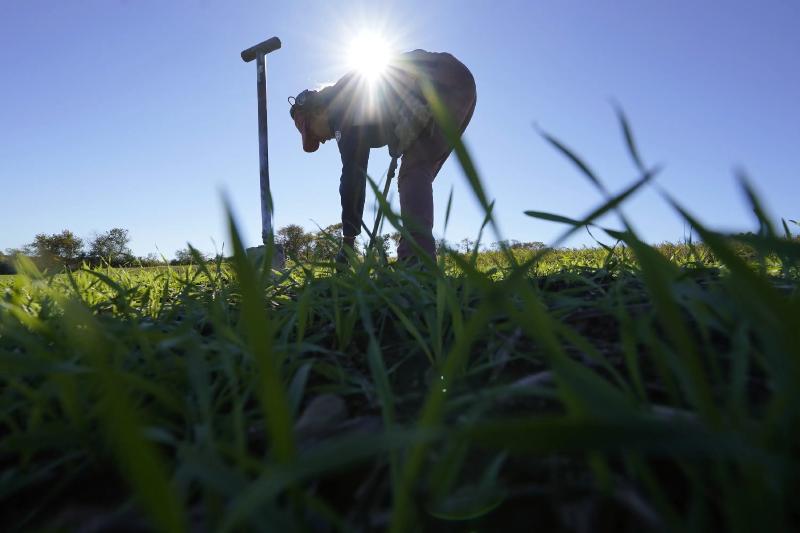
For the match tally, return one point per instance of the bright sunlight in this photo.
(369, 54)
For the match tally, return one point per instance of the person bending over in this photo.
(390, 111)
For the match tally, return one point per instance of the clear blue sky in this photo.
(138, 113)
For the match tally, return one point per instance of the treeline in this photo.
(66, 249)
(322, 245)
(309, 247)
(111, 248)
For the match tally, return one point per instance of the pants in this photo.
(422, 161)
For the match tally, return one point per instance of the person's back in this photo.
(390, 112)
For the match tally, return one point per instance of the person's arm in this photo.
(354, 149)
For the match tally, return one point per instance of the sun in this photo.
(369, 54)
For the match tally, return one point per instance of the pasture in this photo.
(619, 388)
(652, 393)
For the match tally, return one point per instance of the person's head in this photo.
(311, 119)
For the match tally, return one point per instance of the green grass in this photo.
(624, 388)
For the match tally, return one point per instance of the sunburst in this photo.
(369, 54)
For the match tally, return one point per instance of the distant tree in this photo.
(499, 245)
(531, 245)
(111, 246)
(7, 258)
(442, 246)
(7, 263)
(517, 245)
(327, 242)
(466, 246)
(297, 244)
(395, 238)
(63, 248)
(385, 242)
(150, 260)
(13, 252)
(184, 256)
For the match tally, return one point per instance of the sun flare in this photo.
(369, 54)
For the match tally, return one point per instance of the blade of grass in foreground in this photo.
(577, 161)
(646, 434)
(403, 512)
(259, 333)
(612, 203)
(658, 274)
(379, 375)
(330, 456)
(139, 460)
(394, 220)
(451, 130)
(767, 306)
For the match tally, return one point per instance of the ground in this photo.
(584, 391)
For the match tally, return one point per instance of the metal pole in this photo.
(258, 52)
(263, 149)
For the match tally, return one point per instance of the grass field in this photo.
(622, 389)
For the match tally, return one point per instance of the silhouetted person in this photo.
(390, 111)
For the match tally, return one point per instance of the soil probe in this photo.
(258, 52)
(373, 235)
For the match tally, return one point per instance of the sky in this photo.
(141, 114)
